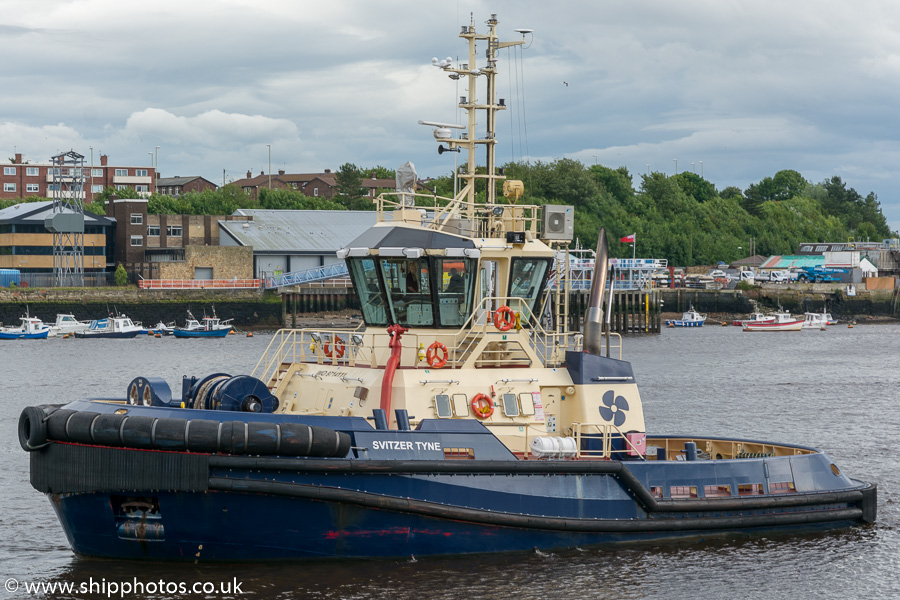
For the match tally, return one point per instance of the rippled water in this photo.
(834, 389)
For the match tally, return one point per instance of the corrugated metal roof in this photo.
(299, 231)
(38, 211)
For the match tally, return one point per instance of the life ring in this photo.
(504, 318)
(482, 406)
(338, 348)
(434, 359)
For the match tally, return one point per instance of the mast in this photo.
(470, 141)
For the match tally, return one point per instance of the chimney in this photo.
(103, 160)
(281, 171)
(328, 170)
(249, 174)
(261, 173)
(18, 158)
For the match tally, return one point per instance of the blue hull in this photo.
(183, 333)
(114, 335)
(680, 323)
(218, 526)
(23, 336)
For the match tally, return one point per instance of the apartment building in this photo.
(176, 186)
(22, 179)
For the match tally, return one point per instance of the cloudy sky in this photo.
(738, 89)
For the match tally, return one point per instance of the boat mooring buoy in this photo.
(249, 334)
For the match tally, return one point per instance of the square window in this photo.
(9, 170)
(137, 219)
(32, 171)
(96, 172)
(32, 188)
(137, 240)
(140, 172)
(96, 188)
(121, 172)
(152, 230)
(510, 405)
(173, 230)
(9, 187)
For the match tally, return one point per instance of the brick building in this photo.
(176, 186)
(314, 185)
(149, 245)
(22, 179)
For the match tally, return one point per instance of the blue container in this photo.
(9, 277)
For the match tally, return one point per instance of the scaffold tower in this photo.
(67, 221)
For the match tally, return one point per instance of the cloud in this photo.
(210, 129)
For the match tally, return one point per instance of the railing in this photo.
(494, 348)
(197, 284)
(308, 275)
(604, 433)
(470, 219)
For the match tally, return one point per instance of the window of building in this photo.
(32, 171)
(315, 192)
(152, 230)
(121, 187)
(96, 172)
(32, 188)
(53, 187)
(9, 170)
(137, 240)
(9, 187)
(137, 219)
(121, 172)
(97, 188)
(173, 230)
(142, 188)
(140, 172)
(54, 172)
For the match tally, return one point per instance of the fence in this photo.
(198, 284)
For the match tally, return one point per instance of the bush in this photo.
(121, 276)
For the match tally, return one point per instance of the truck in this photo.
(819, 274)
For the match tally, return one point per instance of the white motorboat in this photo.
(783, 321)
(67, 324)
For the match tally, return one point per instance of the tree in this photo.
(348, 181)
(121, 276)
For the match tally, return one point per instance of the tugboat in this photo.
(451, 422)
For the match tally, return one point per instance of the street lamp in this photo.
(92, 173)
(270, 165)
(676, 165)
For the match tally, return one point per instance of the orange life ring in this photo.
(432, 357)
(482, 406)
(504, 318)
(338, 348)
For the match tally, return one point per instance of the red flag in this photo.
(627, 238)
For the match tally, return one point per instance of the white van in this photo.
(748, 276)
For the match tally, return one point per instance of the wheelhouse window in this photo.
(416, 292)
(365, 282)
(526, 281)
(457, 283)
(408, 288)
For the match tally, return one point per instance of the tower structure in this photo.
(67, 222)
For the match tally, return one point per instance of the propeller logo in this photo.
(614, 408)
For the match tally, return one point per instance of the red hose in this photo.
(387, 383)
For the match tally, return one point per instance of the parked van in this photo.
(748, 276)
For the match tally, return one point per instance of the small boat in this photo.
(31, 328)
(163, 328)
(783, 322)
(66, 324)
(818, 320)
(690, 318)
(209, 327)
(815, 320)
(111, 327)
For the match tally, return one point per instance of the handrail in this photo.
(605, 433)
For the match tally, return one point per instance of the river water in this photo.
(835, 389)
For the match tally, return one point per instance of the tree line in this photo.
(682, 218)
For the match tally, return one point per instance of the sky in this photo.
(733, 90)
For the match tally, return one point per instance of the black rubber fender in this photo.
(168, 434)
(79, 426)
(106, 430)
(32, 429)
(203, 435)
(56, 424)
(137, 432)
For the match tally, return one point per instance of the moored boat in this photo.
(209, 327)
(67, 324)
(755, 317)
(690, 318)
(453, 421)
(783, 321)
(30, 328)
(115, 326)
